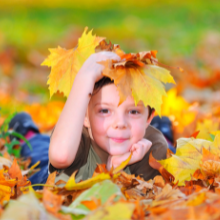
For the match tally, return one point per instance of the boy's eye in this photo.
(134, 112)
(104, 111)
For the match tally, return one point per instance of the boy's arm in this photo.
(66, 136)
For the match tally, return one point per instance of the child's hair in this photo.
(105, 81)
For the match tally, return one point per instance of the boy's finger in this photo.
(146, 142)
(109, 55)
(133, 147)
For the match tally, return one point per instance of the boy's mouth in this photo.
(119, 140)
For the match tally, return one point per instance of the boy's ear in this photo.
(86, 122)
(150, 118)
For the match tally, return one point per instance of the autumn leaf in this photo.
(112, 211)
(209, 167)
(72, 185)
(101, 192)
(195, 134)
(15, 171)
(206, 127)
(6, 180)
(25, 206)
(101, 168)
(178, 110)
(42, 115)
(65, 64)
(169, 178)
(191, 155)
(122, 165)
(52, 203)
(5, 193)
(168, 193)
(21, 181)
(134, 78)
(92, 204)
(197, 200)
(186, 160)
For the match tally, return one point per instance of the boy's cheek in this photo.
(138, 131)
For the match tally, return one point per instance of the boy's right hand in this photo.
(139, 150)
(93, 69)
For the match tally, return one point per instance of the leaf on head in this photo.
(65, 64)
(136, 75)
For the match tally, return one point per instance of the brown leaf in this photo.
(104, 46)
(159, 181)
(169, 178)
(101, 168)
(139, 212)
(52, 202)
(169, 153)
(198, 175)
(60, 182)
(169, 193)
(127, 181)
(51, 179)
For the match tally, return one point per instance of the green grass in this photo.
(173, 30)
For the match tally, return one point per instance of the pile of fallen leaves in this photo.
(188, 188)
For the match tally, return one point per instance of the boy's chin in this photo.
(116, 152)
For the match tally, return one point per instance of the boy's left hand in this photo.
(139, 150)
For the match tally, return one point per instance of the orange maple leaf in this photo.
(133, 77)
(15, 171)
(92, 204)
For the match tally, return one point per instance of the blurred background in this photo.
(186, 34)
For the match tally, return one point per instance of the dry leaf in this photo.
(65, 64)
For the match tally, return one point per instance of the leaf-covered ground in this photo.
(185, 35)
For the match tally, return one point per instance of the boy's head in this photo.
(105, 81)
(115, 128)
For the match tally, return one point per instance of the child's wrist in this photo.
(87, 81)
(86, 77)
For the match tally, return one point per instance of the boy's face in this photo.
(116, 128)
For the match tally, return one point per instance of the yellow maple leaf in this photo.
(143, 83)
(206, 127)
(178, 110)
(65, 64)
(191, 156)
(186, 161)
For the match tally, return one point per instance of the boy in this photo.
(93, 128)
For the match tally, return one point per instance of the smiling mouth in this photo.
(119, 140)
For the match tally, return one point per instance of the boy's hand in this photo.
(92, 69)
(139, 150)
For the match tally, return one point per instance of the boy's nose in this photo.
(120, 123)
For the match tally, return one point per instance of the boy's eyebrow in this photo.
(110, 104)
(103, 103)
